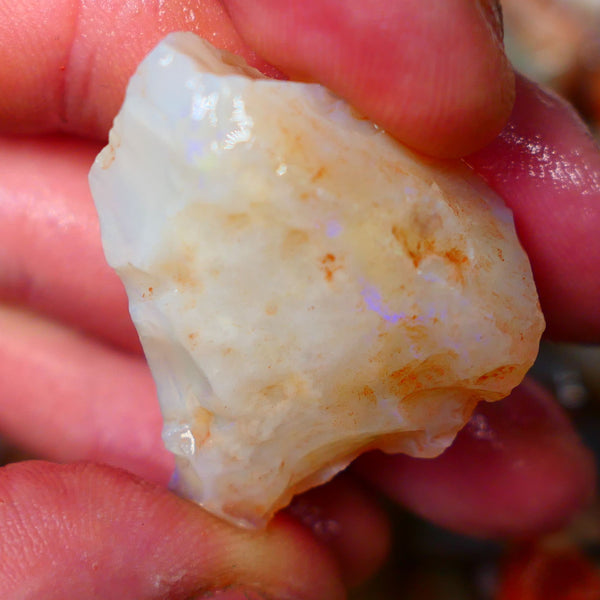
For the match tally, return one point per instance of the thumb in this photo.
(90, 532)
(432, 73)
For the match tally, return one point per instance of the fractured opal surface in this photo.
(305, 288)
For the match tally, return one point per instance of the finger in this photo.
(91, 532)
(64, 64)
(546, 166)
(51, 257)
(433, 74)
(65, 397)
(517, 469)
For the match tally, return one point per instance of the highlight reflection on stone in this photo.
(305, 288)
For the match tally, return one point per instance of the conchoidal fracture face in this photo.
(305, 288)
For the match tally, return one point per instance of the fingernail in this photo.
(491, 11)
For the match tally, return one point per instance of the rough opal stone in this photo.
(305, 288)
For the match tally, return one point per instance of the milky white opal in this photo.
(305, 288)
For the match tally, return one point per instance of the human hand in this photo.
(73, 381)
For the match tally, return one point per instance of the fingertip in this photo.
(432, 74)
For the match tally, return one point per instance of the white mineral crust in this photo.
(305, 288)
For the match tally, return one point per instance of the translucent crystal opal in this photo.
(305, 288)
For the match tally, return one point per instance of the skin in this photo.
(72, 377)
